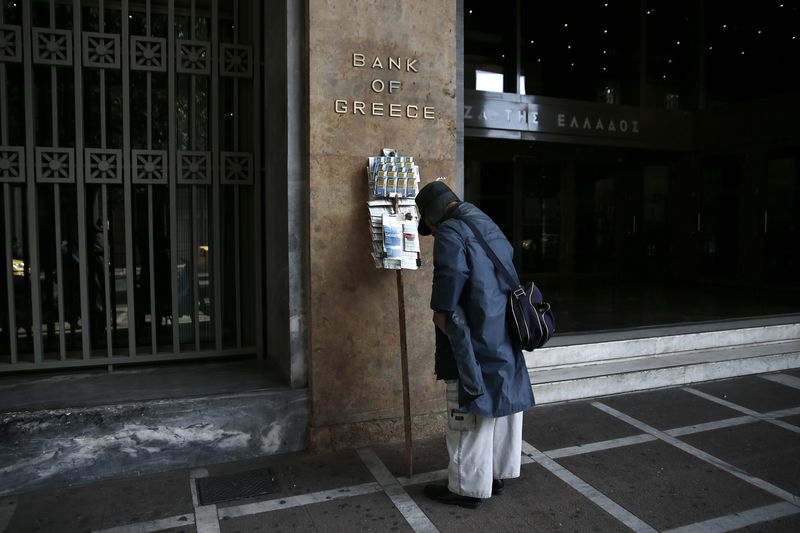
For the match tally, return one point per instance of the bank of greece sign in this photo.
(384, 83)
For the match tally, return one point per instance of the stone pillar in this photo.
(381, 74)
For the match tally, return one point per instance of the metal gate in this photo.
(130, 181)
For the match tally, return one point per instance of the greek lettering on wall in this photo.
(386, 83)
(586, 122)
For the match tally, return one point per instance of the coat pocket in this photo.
(457, 420)
(460, 421)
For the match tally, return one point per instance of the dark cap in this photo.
(432, 200)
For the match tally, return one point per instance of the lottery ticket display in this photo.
(393, 176)
(393, 183)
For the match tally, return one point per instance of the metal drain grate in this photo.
(237, 486)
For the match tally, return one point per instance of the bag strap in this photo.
(493, 256)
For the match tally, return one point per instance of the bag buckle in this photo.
(519, 293)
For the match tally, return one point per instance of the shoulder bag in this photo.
(529, 317)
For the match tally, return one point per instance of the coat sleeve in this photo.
(450, 269)
(471, 384)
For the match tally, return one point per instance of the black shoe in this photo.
(442, 494)
(498, 486)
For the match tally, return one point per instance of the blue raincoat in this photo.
(493, 378)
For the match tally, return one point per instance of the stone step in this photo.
(587, 350)
(613, 376)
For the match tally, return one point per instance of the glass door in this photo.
(595, 217)
(717, 227)
(538, 242)
(781, 220)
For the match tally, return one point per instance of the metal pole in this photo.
(401, 303)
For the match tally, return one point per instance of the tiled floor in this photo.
(649, 461)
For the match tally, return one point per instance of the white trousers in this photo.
(481, 448)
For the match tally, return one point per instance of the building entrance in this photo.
(622, 237)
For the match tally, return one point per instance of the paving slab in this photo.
(104, 504)
(665, 486)
(300, 473)
(548, 427)
(760, 449)
(669, 408)
(148, 498)
(536, 501)
(428, 455)
(754, 393)
(63, 510)
(371, 512)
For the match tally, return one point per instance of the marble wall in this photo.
(382, 73)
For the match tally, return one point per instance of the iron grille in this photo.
(130, 181)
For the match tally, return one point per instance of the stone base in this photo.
(323, 439)
(54, 447)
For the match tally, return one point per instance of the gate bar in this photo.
(33, 218)
(216, 250)
(56, 208)
(86, 322)
(237, 274)
(106, 274)
(173, 175)
(150, 245)
(256, 121)
(12, 312)
(151, 264)
(193, 239)
(62, 344)
(9, 252)
(127, 185)
(106, 223)
(195, 278)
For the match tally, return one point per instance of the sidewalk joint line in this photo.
(266, 506)
(592, 447)
(206, 519)
(159, 524)
(783, 379)
(755, 414)
(424, 477)
(700, 454)
(739, 520)
(404, 503)
(780, 413)
(595, 496)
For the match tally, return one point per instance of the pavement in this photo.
(714, 456)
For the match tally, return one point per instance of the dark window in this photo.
(752, 50)
(580, 50)
(671, 51)
(490, 45)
